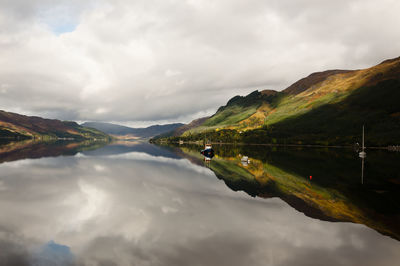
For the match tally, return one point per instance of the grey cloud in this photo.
(13, 254)
(356, 244)
(169, 60)
(13, 251)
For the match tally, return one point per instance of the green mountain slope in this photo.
(324, 108)
(16, 126)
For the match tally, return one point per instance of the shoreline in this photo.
(388, 148)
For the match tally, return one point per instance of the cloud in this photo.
(13, 253)
(172, 60)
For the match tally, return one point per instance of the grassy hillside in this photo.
(238, 109)
(324, 108)
(340, 122)
(16, 126)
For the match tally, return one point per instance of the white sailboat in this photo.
(362, 153)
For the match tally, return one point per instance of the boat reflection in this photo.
(362, 170)
(208, 154)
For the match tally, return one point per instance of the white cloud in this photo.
(170, 60)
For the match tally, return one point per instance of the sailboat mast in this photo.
(363, 147)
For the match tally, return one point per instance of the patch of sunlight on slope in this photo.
(257, 119)
(228, 118)
(231, 115)
(332, 90)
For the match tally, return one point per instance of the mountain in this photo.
(182, 129)
(16, 126)
(326, 108)
(118, 130)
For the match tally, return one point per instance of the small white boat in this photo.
(207, 147)
(208, 151)
(245, 160)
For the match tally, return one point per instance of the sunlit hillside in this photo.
(324, 108)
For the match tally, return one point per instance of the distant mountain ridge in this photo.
(16, 126)
(119, 130)
(182, 129)
(323, 108)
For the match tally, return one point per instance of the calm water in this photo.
(140, 204)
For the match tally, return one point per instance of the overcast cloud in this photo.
(174, 60)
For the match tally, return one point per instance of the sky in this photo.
(141, 62)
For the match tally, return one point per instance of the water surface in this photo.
(139, 204)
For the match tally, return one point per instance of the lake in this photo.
(134, 203)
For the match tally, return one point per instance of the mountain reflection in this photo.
(31, 149)
(321, 183)
(133, 203)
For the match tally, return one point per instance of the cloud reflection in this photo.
(146, 210)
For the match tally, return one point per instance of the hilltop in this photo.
(324, 108)
(16, 126)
